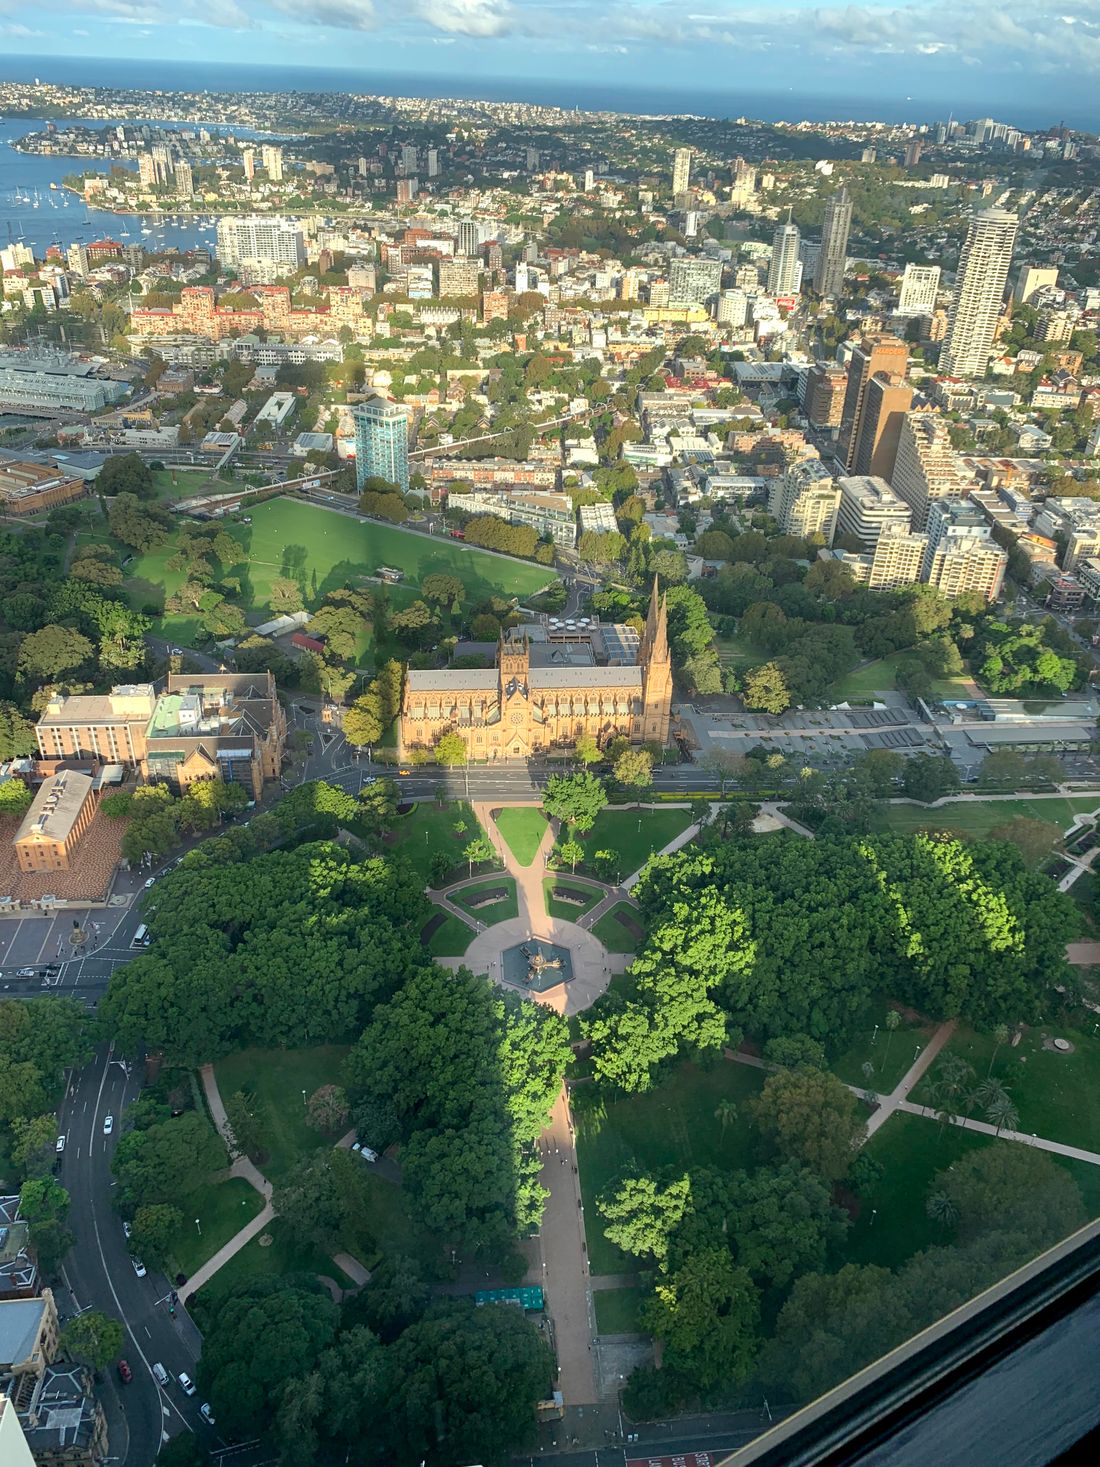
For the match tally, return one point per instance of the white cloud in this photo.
(468, 17)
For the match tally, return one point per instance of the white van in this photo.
(160, 1375)
(140, 937)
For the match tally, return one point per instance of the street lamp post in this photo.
(199, 1226)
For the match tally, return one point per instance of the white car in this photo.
(364, 1151)
(187, 1385)
(108, 1125)
(139, 1267)
(151, 882)
(60, 1146)
(206, 1413)
(127, 1228)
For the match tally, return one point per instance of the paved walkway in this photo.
(1058, 1148)
(899, 1096)
(563, 1254)
(593, 966)
(226, 1252)
(674, 844)
(243, 1166)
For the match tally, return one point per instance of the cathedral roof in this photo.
(585, 677)
(453, 680)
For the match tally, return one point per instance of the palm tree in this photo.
(1000, 1112)
(892, 1020)
(725, 1113)
(1000, 1036)
(950, 1085)
(940, 1208)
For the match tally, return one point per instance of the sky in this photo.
(973, 54)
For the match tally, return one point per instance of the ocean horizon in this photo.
(786, 105)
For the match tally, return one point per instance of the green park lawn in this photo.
(736, 653)
(288, 1253)
(879, 677)
(978, 817)
(491, 913)
(618, 1311)
(522, 827)
(672, 1125)
(569, 911)
(323, 550)
(893, 1224)
(633, 834)
(890, 1053)
(430, 827)
(223, 1209)
(615, 935)
(171, 484)
(276, 1079)
(451, 938)
(1055, 1094)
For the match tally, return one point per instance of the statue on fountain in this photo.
(537, 963)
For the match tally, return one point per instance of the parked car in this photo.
(160, 1375)
(127, 1228)
(151, 882)
(108, 1125)
(139, 1267)
(186, 1384)
(206, 1413)
(60, 1146)
(125, 1374)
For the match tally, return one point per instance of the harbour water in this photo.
(37, 215)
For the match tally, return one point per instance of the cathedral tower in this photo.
(656, 664)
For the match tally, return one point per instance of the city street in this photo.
(99, 1274)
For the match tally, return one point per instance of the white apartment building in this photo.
(804, 500)
(867, 506)
(919, 286)
(261, 242)
(926, 467)
(693, 281)
(896, 559)
(979, 292)
(783, 273)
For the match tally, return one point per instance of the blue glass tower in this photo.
(381, 443)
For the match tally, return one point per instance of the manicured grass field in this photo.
(450, 939)
(522, 827)
(569, 911)
(879, 677)
(223, 1208)
(893, 1223)
(634, 835)
(736, 653)
(1054, 1093)
(430, 827)
(672, 1125)
(890, 1053)
(276, 1078)
(171, 484)
(494, 912)
(618, 1311)
(978, 817)
(323, 550)
(383, 1217)
(288, 1253)
(613, 934)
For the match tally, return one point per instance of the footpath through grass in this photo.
(522, 828)
(1053, 1091)
(633, 835)
(977, 817)
(891, 1054)
(881, 677)
(222, 1210)
(275, 1080)
(286, 1253)
(674, 1124)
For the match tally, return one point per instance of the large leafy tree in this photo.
(811, 1118)
(574, 798)
(94, 1337)
(706, 1313)
(53, 650)
(640, 1214)
(262, 1337)
(167, 1161)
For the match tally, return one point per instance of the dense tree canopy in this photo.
(790, 937)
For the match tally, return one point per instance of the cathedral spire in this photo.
(654, 646)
